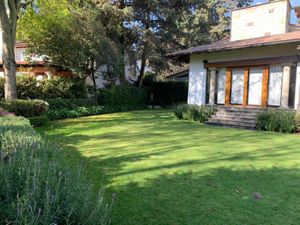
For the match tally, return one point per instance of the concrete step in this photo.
(230, 125)
(236, 122)
(233, 119)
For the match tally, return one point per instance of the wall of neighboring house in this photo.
(260, 20)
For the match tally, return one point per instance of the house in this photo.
(32, 65)
(179, 76)
(257, 66)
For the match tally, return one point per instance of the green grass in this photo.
(171, 172)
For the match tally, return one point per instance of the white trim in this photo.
(297, 86)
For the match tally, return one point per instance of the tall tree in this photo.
(8, 20)
(78, 35)
(158, 27)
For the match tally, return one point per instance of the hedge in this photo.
(168, 93)
(26, 108)
(89, 111)
(37, 187)
(122, 95)
(59, 103)
(29, 88)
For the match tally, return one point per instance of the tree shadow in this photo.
(223, 196)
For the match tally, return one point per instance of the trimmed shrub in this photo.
(276, 121)
(193, 112)
(36, 186)
(59, 87)
(168, 93)
(297, 119)
(38, 121)
(58, 104)
(26, 108)
(88, 111)
(28, 88)
(122, 95)
(4, 112)
(78, 112)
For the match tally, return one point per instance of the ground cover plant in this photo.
(36, 187)
(168, 171)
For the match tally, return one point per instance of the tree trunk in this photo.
(142, 71)
(9, 24)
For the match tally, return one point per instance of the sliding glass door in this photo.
(255, 86)
(237, 86)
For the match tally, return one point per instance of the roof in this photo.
(179, 74)
(225, 44)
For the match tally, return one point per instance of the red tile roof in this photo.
(225, 44)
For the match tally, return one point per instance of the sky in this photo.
(293, 2)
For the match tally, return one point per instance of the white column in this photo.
(297, 91)
(197, 81)
(212, 84)
(285, 85)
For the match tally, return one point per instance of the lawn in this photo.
(170, 172)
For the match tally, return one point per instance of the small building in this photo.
(32, 65)
(258, 65)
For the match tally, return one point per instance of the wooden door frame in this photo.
(265, 86)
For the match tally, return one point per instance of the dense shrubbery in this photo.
(36, 187)
(193, 112)
(277, 121)
(123, 95)
(59, 103)
(88, 111)
(168, 93)
(58, 87)
(26, 108)
(297, 120)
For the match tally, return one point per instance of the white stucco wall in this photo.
(197, 81)
(297, 92)
(260, 20)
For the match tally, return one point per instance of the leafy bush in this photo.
(122, 95)
(193, 112)
(168, 93)
(38, 121)
(58, 87)
(78, 112)
(277, 121)
(1, 87)
(297, 119)
(57, 104)
(36, 187)
(88, 111)
(26, 108)
(4, 112)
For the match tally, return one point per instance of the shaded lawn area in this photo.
(171, 172)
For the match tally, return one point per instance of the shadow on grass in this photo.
(223, 196)
(219, 194)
